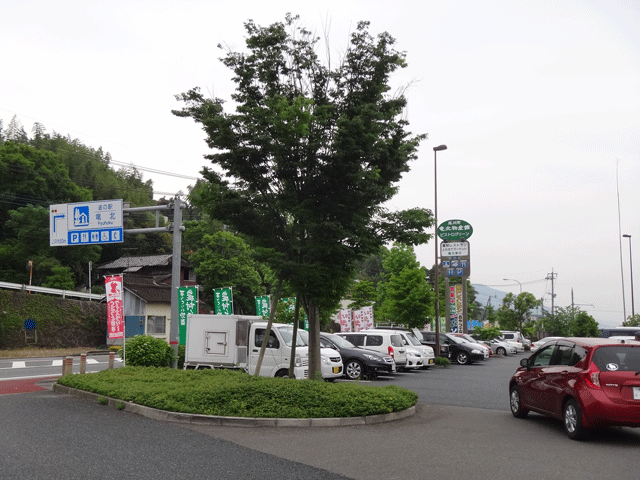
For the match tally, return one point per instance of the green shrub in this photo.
(442, 361)
(236, 394)
(181, 354)
(147, 351)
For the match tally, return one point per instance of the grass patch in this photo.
(236, 394)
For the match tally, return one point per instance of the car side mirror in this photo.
(524, 363)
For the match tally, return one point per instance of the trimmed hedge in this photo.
(236, 394)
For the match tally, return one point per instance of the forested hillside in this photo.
(44, 168)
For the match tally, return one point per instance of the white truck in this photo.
(234, 341)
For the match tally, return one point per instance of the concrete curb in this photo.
(196, 419)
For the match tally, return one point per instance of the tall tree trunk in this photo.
(313, 312)
(267, 333)
(296, 317)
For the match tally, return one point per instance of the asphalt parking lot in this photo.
(462, 428)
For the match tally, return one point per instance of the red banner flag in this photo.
(115, 311)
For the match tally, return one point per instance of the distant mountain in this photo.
(491, 296)
(488, 296)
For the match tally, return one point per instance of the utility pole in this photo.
(552, 276)
(176, 229)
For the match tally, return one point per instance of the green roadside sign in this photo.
(454, 230)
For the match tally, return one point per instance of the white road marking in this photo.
(19, 365)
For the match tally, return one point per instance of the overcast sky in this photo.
(537, 101)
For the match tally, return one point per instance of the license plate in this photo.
(636, 393)
(336, 369)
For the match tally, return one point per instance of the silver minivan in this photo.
(385, 342)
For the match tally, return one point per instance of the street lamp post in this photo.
(435, 237)
(512, 280)
(633, 312)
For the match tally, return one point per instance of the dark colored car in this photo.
(358, 362)
(459, 351)
(585, 382)
(429, 338)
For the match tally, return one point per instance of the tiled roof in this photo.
(144, 261)
(150, 289)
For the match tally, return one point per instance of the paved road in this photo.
(47, 435)
(24, 368)
(50, 436)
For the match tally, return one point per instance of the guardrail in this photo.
(52, 291)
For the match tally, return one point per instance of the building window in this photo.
(156, 325)
(190, 275)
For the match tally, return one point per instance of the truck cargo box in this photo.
(218, 340)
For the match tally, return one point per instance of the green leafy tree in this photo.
(558, 324)
(363, 294)
(487, 333)
(515, 310)
(584, 325)
(15, 131)
(633, 321)
(309, 156)
(226, 260)
(408, 298)
(404, 296)
(61, 277)
(370, 269)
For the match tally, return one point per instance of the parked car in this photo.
(426, 351)
(499, 347)
(429, 339)
(468, 338)
(585, 382)
(460, 351)
(516, 337)
(359, 363)
(538, 343)
(330, 360)
(385, 342)
(413, 343)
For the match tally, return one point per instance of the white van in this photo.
(382, 341)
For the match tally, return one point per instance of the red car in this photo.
(585, 382)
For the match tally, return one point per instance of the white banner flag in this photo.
(367, 317)
(345, 320)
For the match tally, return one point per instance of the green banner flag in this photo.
(263, 305)
(223, 301)
(187, 304)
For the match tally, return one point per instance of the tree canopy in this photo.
(51, 169)
(308, 156)
(515, 310)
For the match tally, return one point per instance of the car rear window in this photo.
(622, 358)
(374, 340)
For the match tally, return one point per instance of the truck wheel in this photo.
(282, 373)
(354, 370)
